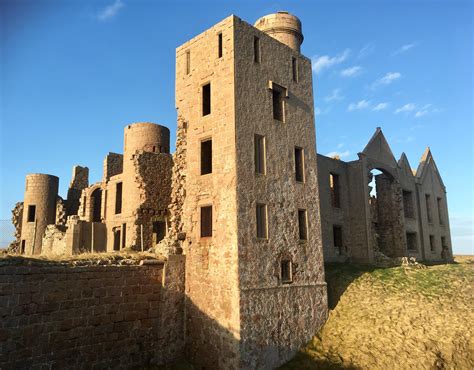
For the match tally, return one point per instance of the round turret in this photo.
(284, 27)
(146, 136)
(39, 210)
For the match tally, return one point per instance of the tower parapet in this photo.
(284, 27)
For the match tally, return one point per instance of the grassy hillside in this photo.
(396, 318)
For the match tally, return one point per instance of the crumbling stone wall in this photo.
(17, 217)
(54, 240)
(54, 316)
(80, 181)
(113, 165)
(61, 211)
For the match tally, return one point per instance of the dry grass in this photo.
(397, 318)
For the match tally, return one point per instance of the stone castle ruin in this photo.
(245, 198)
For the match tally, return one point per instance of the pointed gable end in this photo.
(427, 162)
(405, 165)
(379, 150)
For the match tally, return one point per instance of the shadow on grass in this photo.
(305, 360)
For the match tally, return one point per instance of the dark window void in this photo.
(206, 221)
(259, 143)
(159, 231)
(96, 205)
(294, 69)
(256, 49)
(444, 245)
(206, 99)
(206, 157)
(219, 45)
(432, 243)
(286, 272)
(299, 164)
(337, 237)
(118, 198)
(335, 190)
(439, 202)
(31, 213)
(278, 103)
(124, 235)
(116, 239)
(411, 242)
(428, 208)
(262, 231)
(408, 208)
(188, 62)
(23, 246)
(303, 224)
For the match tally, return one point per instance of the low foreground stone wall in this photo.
(91, 317)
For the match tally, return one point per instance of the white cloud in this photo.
(344, 154)
(423, 111)
(360, 105)
(388, 78)
(351, 72)
(340, 145)
(380, 106)
(335, 96)
(366, 50)
(405, 108)
(404, 48)
(320, 63)
(110, 11)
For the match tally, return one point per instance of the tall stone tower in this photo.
(255, 285)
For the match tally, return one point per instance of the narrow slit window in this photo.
(294, 68)
(278, 100)
(31, 213)
(118, 198)
(116, 233)
(335, 190)
(432, 243)
(286, 272)
(259, 142)
(206, 99)
(299, 164)
(440, 210)
(188, 62)
(23, 246)
(408, 208)
(206, 157)
(262, 230)
(337, 238)
(206, 221)
(219, 45)
(303, 224)
(428, 208)
(256, 49)
(124, 235)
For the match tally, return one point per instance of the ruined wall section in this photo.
(79, 181)
(17, 219)
(61, 211)
(113, 165)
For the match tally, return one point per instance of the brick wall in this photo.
(98, 316)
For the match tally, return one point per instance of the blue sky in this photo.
(74, 73)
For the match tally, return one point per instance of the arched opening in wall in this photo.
(96, 202)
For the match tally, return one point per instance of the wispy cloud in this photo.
(320, 63)
(351, 72)
(405, 108)
(426, 109)
(387, 79)
(404, 48)
(336, 154)
(366, 50)
(334, 96)
(405, 140)
(110, 11)
(380, 106)
(360, 105)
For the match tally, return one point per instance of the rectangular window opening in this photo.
(23, 246)
(432, 243)
(303, 224)
(206, 221)
(294, 67)
(278, 103)
(408, 208)
(219, 45)
(31, 213)
(262, 228)
(116, 233)
(206, 157)
(299, 164)
(256, 49)
(259, 143)
(286, 272)
(118, 198)
(440, 210)
(337, 238)
(428, 208)
(335, 190)
(411, 242)
(188, 62)
(124, 235)
(206, 99)
(159, 231)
